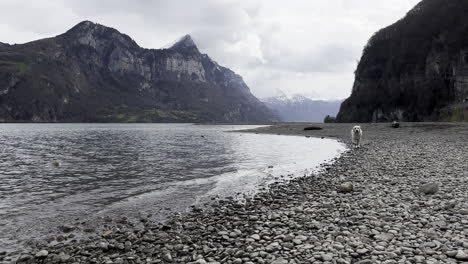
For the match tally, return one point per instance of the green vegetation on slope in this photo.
(125, 114)
(459, 115)
(22, 67)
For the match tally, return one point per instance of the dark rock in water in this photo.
(312, 128)
(429, 188)
(345, 187)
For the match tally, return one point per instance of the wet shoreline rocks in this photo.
(367, 207)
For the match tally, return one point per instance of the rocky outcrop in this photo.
(94, 73)
(415, 69)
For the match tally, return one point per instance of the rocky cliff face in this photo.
(415, 69)
(93, 73)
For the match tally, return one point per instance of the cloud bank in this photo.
(297, 46)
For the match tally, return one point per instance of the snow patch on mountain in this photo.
(299, 108)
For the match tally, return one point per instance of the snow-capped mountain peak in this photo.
(288, 98)
(299, 108)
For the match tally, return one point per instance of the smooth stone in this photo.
(463, 211)
(128, 246)
(346, 187)
(384, 237)
(327, 257)
(362, 251)
(461, 255)
(103, 245)
(429, 188)
(67, 228)
(64, 258)
(379, 248)
(365, 261)
(297, 241)
(279, 261)
(22, 258)
(42, 254)
(167, 256)
(419, 259)
(255, 236)
(288, 245)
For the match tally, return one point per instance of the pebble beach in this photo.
(402, 197)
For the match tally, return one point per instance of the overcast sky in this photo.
(296, 46)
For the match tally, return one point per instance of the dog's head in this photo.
(356, 129)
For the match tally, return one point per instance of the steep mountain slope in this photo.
(298, 108)
(415, 69)
(93, 73)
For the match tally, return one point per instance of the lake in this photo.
(51, 174)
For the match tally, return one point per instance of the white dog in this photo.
(356, 135)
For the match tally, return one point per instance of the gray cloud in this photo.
(298, 46)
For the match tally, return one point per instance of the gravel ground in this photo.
(400, 198)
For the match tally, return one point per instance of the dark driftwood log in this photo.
(312, 128)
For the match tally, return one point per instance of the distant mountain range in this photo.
(298, 108)
(415, 69)
(94, 73)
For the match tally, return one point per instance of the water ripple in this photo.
(52, 174)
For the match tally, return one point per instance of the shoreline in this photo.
(385, 219)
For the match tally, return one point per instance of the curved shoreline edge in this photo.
(386, 218)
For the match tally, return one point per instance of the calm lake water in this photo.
(51, 174)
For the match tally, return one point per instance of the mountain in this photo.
(94, 73)
(298, 108)
(415, 69)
